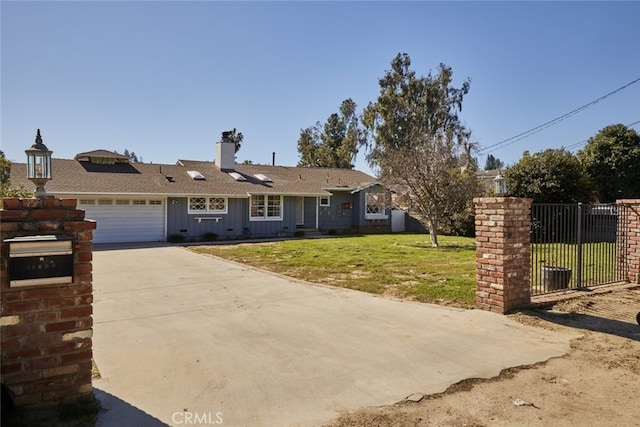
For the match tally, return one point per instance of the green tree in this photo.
(133, 158)
(5, 169)
(418, 141)
(334, 144)
(493, 163)
(6, 189)
(550, 176)
(236, 138)
(612, 159)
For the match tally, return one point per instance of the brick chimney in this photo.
(225, 153)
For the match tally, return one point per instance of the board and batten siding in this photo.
(336, 216)
(284, 226)
(234, 223)
(195, 226)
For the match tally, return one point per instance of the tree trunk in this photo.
(433, 232)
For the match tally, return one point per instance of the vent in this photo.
(237, 176)
(262, 177)
(196, 175)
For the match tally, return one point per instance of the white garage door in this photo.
(125, 220)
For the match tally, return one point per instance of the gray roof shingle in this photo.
(81, 177)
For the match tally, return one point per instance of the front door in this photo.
(299, 211)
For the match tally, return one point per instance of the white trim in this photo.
(376, 216)
(324, 205)
(207, 204)
(265, 208)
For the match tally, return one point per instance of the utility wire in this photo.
(550, 123)
(578, 144)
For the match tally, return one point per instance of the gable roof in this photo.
(105, 154)
(83, 177)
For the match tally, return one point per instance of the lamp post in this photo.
(39, 166)
(499, 185)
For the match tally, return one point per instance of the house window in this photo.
(139, 202)
(207, 204)
(266, 207)
(376, 206)
(87, 202)
(104, 202)
(122, 202)
(155, 202)
(217, 204)
(325, 201)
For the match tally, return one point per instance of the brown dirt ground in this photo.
(597, 383)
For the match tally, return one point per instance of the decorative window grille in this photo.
(197, 204)
(217, 204)
(376, 205)
(207, 204)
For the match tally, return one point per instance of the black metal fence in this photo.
(574, 246)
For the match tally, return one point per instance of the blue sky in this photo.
(165, 78)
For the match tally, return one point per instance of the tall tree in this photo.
(334, 144)
(6, 189)
(550, 176)
(612, 159)
(236, 138)
(5, 169)
(493, 163)
(133, 158)
(419, 140)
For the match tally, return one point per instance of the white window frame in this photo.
(322, 203)
(375, 205)
(207, 202)
(264, 206)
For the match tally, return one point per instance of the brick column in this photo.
(46, 330)
(629, 239)
(503, 253)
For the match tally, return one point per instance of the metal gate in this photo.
(575, 246)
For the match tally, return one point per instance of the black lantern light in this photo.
(39, 166)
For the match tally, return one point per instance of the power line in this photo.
(578, 144)
(550, 123)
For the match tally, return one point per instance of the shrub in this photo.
(209, 237)
(298, 233)
(176, 238)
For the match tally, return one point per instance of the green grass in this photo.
(599, 260)
(399, 265)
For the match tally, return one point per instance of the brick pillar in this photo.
(46, 330)
(629, 239)
(503, 253)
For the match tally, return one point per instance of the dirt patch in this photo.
(596, 383)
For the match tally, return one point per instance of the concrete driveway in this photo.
(188, 339)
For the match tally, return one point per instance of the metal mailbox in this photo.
(40, 260)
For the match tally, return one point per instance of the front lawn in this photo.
(399, 265)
